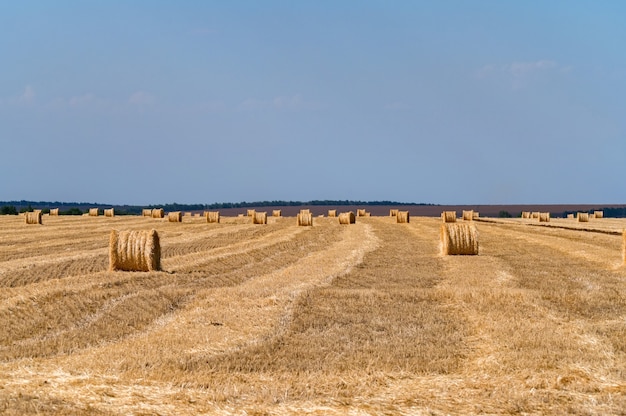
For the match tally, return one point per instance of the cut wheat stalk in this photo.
(459, 239)
(137, 250)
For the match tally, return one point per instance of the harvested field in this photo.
(281, 319)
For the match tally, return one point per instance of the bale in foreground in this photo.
(138, 251)
(33, 217)
(459, 239)
(402, 217)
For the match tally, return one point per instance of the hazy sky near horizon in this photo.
(447, 102)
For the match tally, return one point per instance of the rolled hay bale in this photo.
(582, 217)
(146, 212)
(175, 216)
(476, 215)
(598, 214)
(570, 216)
(448, 216)
(360, 212)
(468, 215)
(402, 217)
(535, 215)
(251, 212)
(93, 212)
(109, 212)
(459, 239)
(305, 219)
(54, 212)
(277, 213)
(347, 218)
(259, 218)
(393, 212)
(157, 213)
(33, 217)
(544, 217)
(134, 251)
(526, 214)
(332, 213)
(212, 216)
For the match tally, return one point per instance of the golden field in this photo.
(332, 319)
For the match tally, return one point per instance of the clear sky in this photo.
(447, 102)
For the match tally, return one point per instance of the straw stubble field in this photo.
(266, 319)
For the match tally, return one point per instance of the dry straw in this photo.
(109, 212)
(598, 214)
(468, 215)
(146, 212)
(277, 213)
(393, 212)
(535, 215)
(525, 214)
(332, 212)
(176, 216)
(476, 215)
(157, 213)
(259, 218)
(347, 218)
(544, 217)
(33, 217)
(54, 212)
(251, 213)
(402, 217)
(305, 219)
(570, 216)
(134, 251)
(459, 239)
(360, 212)
(583, 217)
(624, 246)
(448, 216)
(212, 216)
(93, 212)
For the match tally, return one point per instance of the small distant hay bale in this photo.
(33, 217)
(305, 219)
(251, 212)
(347, 218)
(448, 216)
(146, 212)
(402, 217)
(188, 214)
(393, 212)
(93, 212)
(570, 216)
(175, 216)
(158, 213)
(544, 217)
(138, 251)
(468, 215)
(582, 217)
(212, 216)
(54, 212)
(459, 239)
(368, 214)
(277, 213)
(305, 211)
(259, 218)
(109, 212)
(360, 212)
(535, 215)
(476, 215)
(598, 214)
(197, 215)
(526, 214)
(332, 213)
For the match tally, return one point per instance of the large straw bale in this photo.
(305, 219)
(347, 218)
(33, 217)
(459, 239)
(448, 216)
(598, 214)
(109, 212)
(158, 213)
(583, 217)
(175, 216)
(54, 212)
(277, 213)
(468, 215)
(332, 212)
(393, 212)
(402, 217)
(259, 218)
(212, 216)
(93, 212)
(135, 250)
(544, 217)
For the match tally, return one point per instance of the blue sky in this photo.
(450, 102)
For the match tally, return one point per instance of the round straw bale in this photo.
(534, 215)
(448, 216)
(306, 211)
(402, 217)
(259, 218)
(54, 211)
(93, 212)
(33, 217)
(393, 212)
(138, 250)
(476, 215)
(212, 216)
(157, 213)
(251, 213)
(277, 213)
(360, 212)
(583, 217)
(305, 219)
(109, 212)
(146, 212)
(468, 215)
(175, 216)
(332, 212)
(598, 214)
(525, 214)
(459, 238)
(570, 216)
(544, 217)
(347, 218)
